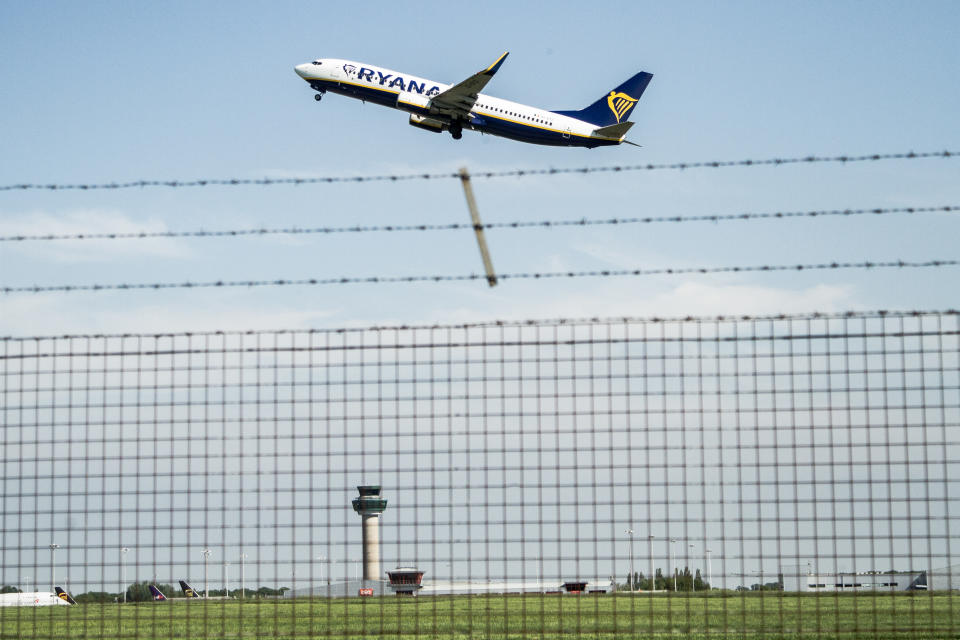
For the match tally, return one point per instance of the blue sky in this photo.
(118, 91)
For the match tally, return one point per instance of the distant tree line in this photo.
(685, 581)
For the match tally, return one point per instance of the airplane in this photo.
(156, 593)
(63, 595)
(188, 591)
(438, 107)
(32, 599)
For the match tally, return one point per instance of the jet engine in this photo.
(428, 124)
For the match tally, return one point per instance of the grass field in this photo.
(718, 615)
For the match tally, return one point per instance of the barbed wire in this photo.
(901, 264)
(580, 222)
(511, 173)
(529, 322)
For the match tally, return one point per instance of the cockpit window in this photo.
(317, 62)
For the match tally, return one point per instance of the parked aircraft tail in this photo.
(156, 593)
(64, 596)
(188, 591)
(615, 107)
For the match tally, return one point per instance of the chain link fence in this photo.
(750, 477)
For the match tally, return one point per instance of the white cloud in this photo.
(445, 303)
(112, 313)
(699, 298)
(689, 298)
(89, 222)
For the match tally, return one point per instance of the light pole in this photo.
(321, 559)
(26, 580)
(709, 570)
(243, 577)
(630, 533)
(692, 581)
(226, 579)
(53, 567)
(653, 572)
(673, 564)
(539, 571)
(206, 555)
(123, 572)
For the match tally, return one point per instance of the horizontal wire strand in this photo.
(454, 226)
(513, 173)
(892, 264)
(549, 322)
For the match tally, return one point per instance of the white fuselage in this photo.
(410, 93)
(31, 599)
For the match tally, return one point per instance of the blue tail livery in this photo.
(188, 591)
(64, 596)
(615, 107)
(156, 593)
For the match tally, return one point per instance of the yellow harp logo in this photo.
(620, 103)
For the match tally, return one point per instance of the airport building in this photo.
(403, 582)
(944, 578)
(342, 589)
(847, 582)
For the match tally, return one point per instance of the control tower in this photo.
(370, 505)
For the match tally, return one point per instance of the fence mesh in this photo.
(790, 476)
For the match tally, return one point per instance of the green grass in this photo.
(717, 615)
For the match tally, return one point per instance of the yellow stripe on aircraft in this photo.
(483, 113)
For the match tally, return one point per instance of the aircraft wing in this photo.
(458, 100)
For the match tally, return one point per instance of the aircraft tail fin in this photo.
(64, 596)
(615, 107)
(188, 591)
(156, 593)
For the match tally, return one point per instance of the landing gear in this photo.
(318, 96)
(456, 130)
